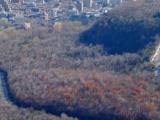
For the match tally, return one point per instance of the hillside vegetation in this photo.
(49, 67)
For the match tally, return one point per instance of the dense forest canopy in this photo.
(52, 68)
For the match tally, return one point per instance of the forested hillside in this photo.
(108, 78)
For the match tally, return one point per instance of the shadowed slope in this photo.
(127, 28)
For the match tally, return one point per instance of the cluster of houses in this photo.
(20, 12)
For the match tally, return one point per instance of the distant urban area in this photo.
(19, 13)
